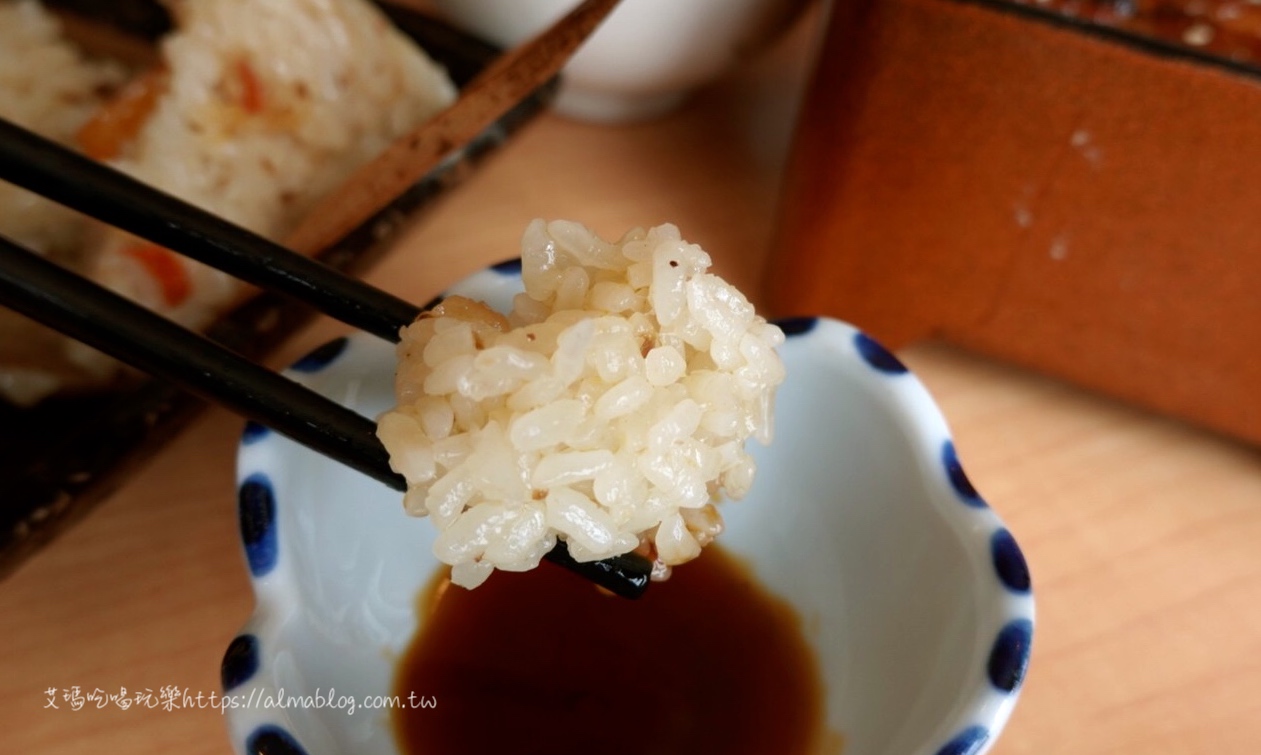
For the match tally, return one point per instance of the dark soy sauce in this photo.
(543, 662)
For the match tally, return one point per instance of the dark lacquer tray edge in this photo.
(1148, 44)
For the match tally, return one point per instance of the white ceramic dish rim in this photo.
(982, 709)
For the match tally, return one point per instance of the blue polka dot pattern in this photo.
(877, 356)
(270, 739)
(797, 326)
(508, 267)
(1009, 657)
(958, 478)
(240, 661)
(967, 742)
(321, 357)
(253, 433)
(256, 509)
(1009, 562)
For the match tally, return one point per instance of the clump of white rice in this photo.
(261, 108)
(268, 106)
(609, 408)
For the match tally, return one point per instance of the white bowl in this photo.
(861, 517)
(645, 57)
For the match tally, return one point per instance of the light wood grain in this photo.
(1143, 534)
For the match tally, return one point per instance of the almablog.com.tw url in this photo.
(172, 698)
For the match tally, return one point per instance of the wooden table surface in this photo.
(1143, 535)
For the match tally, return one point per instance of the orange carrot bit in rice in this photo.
(119, 120)
(165, 268)
(251, 89)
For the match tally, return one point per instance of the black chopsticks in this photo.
(132, 334)
(114, 198)
(100, 318)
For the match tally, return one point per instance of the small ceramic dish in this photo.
(915, 596)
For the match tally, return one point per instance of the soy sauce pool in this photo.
(542, 662)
